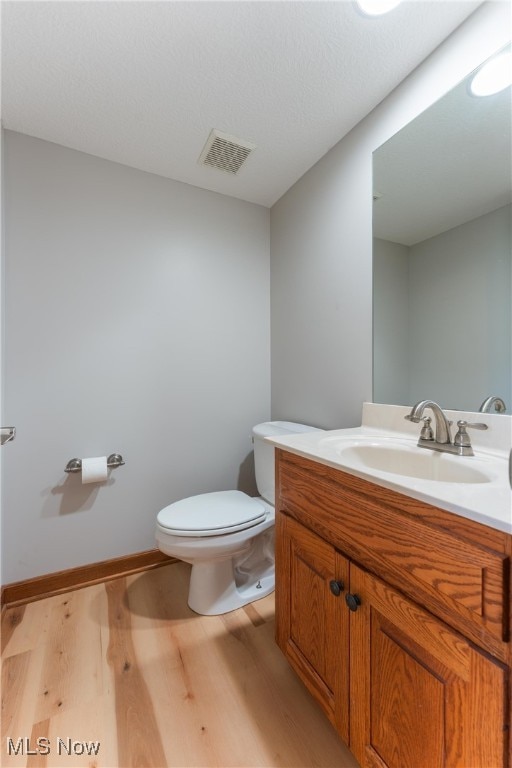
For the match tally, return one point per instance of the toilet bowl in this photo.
(228, 536)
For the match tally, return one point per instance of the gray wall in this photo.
(460, 321)
(137, 321)
(442, 316)
(321, 252)
(321, 293)
(391, 343)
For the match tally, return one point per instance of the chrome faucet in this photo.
(441, 440)
(497, 402)
(442, 434)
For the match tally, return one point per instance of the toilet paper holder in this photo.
(113, 461)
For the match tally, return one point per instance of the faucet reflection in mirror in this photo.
(442, 254)
(489, 402)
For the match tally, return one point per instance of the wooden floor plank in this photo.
(74, 733)
(11, 620)
(129, 665)
(24, 627)
(72, 669)
(40, 735)
(14, 684)
(138, 737)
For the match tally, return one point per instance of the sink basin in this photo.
(475, 487)
(411, 461)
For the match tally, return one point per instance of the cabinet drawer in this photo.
(451, 575)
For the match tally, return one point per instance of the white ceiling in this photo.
(143, 83)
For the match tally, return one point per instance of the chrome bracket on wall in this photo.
(7, 434)
(113, 461)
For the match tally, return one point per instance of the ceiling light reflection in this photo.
(377, 7)
(493, 76)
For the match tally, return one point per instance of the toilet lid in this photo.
(212, 514)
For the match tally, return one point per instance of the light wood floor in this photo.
(128, 664)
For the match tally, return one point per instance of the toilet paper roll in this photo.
(94, 470)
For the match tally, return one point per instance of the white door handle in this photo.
(7, 434)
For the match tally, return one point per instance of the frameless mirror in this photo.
(442, 255)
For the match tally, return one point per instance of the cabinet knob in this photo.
(336, 587)
(353, 601)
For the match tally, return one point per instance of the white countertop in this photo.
(489, 502)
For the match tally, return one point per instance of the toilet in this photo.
(228, 536)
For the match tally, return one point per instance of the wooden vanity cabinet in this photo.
(313, 625)
(400, 682)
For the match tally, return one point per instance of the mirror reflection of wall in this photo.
(442, 255)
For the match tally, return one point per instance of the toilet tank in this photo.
(264, 453)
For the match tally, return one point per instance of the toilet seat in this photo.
(211, 514)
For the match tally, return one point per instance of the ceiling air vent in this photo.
(225, 152)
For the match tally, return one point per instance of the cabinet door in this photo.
(421, 695)
(312, 622)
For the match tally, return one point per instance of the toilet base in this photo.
(214, 589)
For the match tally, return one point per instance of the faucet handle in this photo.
(427, 433)
(474, 425)
(461, 439)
